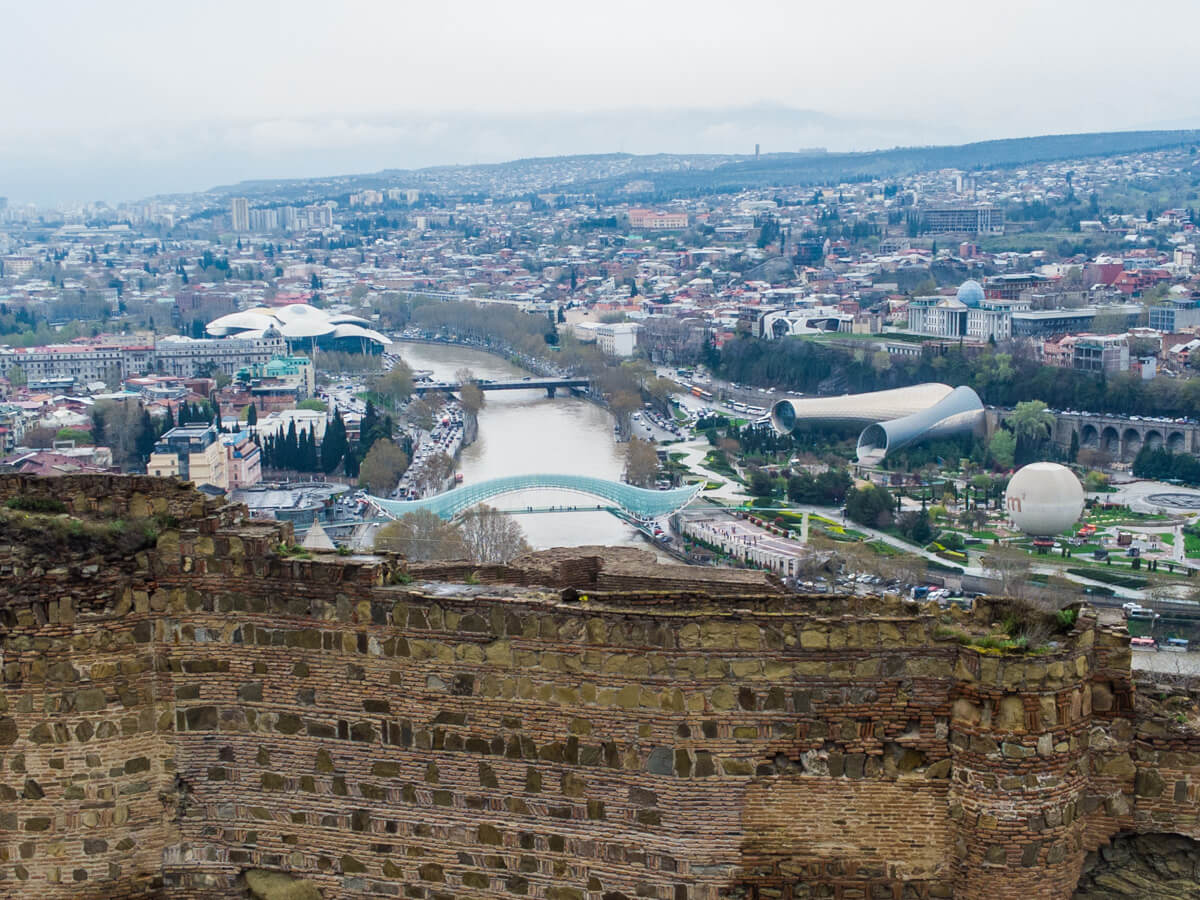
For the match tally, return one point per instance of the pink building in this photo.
(243, 460)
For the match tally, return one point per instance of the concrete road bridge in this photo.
(549, 385)
(640, 503)
(1122, 437)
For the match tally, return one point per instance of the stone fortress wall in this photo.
(178, 710)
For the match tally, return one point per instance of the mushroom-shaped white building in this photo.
(302, 324)
(1044, 499)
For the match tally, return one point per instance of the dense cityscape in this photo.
(254, 341)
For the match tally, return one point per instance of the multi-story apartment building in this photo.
(80, 363)
(191, 452)
(1011, 286)
(612, 339)
(185, 357)
(1175, 316)
(1045, 323)
(654, 220)
(1088, 352)
(618, 338)
(981, 219)
(182, 357)
(263, 220)
(15, 266)
(239, 214)
(1101, 353)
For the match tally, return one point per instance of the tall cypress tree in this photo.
(333, 447)
(146, 435)
(98, 424)
(367, 428)
(291, 450)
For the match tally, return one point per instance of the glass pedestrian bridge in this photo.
(641, 503)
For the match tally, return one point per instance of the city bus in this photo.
(701, 393)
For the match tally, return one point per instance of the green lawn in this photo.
(1191, 544)
(884, 549)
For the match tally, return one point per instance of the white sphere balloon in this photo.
(1044, 498)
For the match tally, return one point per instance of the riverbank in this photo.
(526, 432)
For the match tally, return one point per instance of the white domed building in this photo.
(302, 325)
(1044, 499)
(969, 314)
(970, 293)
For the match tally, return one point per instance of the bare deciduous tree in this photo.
(1010, 566)
(433, 473)
(492, 536)
(641, 463)
(421, 536)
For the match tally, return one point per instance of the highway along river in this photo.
(526, 432)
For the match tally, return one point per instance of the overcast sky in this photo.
(119, 99)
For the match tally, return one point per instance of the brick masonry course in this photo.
(572, 727)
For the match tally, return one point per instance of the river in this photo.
(526, 432)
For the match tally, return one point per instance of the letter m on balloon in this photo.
(1014, 504)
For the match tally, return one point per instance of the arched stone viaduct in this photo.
(1122, 437)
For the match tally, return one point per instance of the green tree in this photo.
(382, 467)
(761, 483)
(870, 505)
(16, 376)
(78, 435)
(1002, 448)
(252, 415)
(335, 443)
(470, 394)
(394, 386)
(1033, 424)
(915, 526)
(99, 435)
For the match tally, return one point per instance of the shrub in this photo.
(36, 504)
(1066, 618)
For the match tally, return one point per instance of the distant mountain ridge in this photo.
(669, 175)
(782, 169)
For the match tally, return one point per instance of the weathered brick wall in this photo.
(117, 496)
(523, 745)
(172, 718)
(86, 751)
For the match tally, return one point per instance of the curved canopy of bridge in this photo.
(641, 503)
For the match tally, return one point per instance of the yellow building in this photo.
(193, 453)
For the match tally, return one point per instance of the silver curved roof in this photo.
(858, 409)
(959, 412)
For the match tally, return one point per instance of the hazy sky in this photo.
(118, 99)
